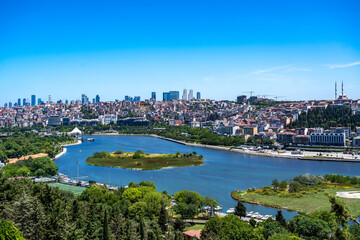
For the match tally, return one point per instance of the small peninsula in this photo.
(144, 161)
(305, 193)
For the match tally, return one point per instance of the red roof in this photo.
(193, 233)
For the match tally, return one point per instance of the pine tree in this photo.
(240, 210)
(106, 235)
(163, 218)
(280, 218)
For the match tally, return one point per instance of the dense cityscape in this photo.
(254, 117)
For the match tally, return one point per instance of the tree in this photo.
(341, 212)
(9, 232)
(280, 218)
(275, 183)
(179, 225)
(283, 185)
(240, 210)
(271, 227)
(163, 218)
(309, 228)
(3, 157)
(186, 210)
(106, 235)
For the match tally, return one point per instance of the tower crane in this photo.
(276, 97)
(251, 92)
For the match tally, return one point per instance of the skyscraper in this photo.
(174, 95)
(191, 94)
(198, 95)
(153, 96)
(33, 100)
(184, 96)
(39, 101)
(84, 98)
(24, 102)
(166, 96)
(10, 104)
(97, 98)
(19, 102)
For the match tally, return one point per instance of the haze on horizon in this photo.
(222, 49)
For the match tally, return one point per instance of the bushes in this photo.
(43, 166)
(118, 152)
(308, 179)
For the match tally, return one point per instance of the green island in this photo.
(144, 161)
(304, 193)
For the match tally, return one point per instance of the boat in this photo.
(230, 211)
(90, 139)
(218, 208)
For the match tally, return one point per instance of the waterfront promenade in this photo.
(306, 155)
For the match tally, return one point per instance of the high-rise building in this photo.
(97, 98)
(24, 102)
(166, 96)
(33, 100)
(153, 96)
(198, 95)
(19, 102)
(174, 95)
(5, 104)
(241, 98)
(84, 98)
(10, 104)
(49, 100)
(191, 94)
(184, 96)
(66, 101)
(39, 101)
(137, 99)
(93, 100)
(127, 98)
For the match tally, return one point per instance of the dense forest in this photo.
(330, 117)
(38, 167)
(20, 144)
(36, 211)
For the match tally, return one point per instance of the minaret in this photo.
(335, 91)
(342, 88)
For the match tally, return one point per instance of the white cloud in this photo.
(285, 68)
(267, 70)
(295, 69)
(343, 65)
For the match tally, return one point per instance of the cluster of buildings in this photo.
(225, 118)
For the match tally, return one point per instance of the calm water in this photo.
(221, 173)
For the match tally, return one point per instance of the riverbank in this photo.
(72, 144)
(306, 203)
(306, 155)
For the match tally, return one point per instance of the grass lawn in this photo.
(308, 203)
(145, 161)
(195, 227)
(75, 189)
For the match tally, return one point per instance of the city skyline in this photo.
(297, 50)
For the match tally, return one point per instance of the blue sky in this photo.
(296, 49)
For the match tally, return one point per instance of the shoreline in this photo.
(65, 149)
(60, 154)
(313, 155)
(263, 204)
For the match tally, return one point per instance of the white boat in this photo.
(218, 208)
(230, 211)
